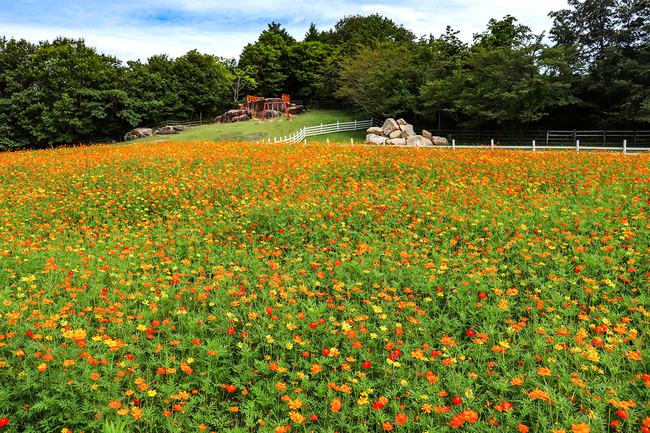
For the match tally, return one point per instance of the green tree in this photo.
(612, 36)
(16, 94)
(382, 80)
(202, 83)
(306, 60)
(268, 58)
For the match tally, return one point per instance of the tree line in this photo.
(593, 74)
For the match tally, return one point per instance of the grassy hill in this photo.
(256, 130)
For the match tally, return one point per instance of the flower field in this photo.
(208, 287)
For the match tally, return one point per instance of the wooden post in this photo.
(624, 147)
(533, 145)
(578, 146)
(453, 144)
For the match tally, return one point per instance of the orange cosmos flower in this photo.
(387, 426)
(401, 419)
(580, 428)
(335, 405)
(522, 428)
(295, 404)
(469, 416)
(634, 355)
(115, 404)
(447, 340)
(539, 394)
(316, 368)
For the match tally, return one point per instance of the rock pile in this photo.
(254, 109)
(400, 133)
(149, 132)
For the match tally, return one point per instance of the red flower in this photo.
(482, 295)
(312, 325)
(401, 419)
(470, 333)
(457, 400)
(326, 351)
(4, 422)
(269, 310)
(366, 364)
(231, 331)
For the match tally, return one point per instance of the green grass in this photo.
(256, 130)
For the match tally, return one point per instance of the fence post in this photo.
(355, 124)
(352, 142)
(328, 140)
(492, 144)
(337, 126)
(533, 145)
(624, 147)
(321, 128)
(578, 146)
(453, 144)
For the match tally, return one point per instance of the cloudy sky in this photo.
(138, 29)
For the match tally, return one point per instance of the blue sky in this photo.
(139, 29)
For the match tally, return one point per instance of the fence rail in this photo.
(548, 140)
(177, 123)
(310, 131)
(591, 138)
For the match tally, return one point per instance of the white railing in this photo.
(310, 131)
(577, 147)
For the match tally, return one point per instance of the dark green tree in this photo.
(612, 37)
(268, 58)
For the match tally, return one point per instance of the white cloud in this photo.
(131, 30)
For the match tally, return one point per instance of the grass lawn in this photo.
(255, 130)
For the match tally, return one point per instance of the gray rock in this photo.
(376, 139)
(138, 133)
(407, 131)
(440, 141)
(416, 140)
(167, 130)
(389, 126)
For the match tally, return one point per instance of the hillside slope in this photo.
(255, 130)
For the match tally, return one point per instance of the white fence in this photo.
(310, 131)
(534, 147)
(559, 143)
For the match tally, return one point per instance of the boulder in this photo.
(396, 141)
(395, 134)
(181, 128)
(294, 110)
(376, 139)
(427, 142)
(167, 130)
(389, 126)
(402, 122)
(407, 131)
(242, 118)
(426, 134)
(375, 130)
(416, 140)
(138, 133)
(440, 141)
